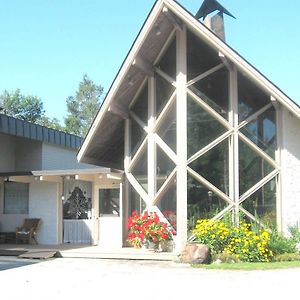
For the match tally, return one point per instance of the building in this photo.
(198, 131)
(41, 178)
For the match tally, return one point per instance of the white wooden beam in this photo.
(229, 65)
(177, 23)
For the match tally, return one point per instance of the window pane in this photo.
(202, 128)
(164, 91)
(167, 205)
(251, 98)
(262, 204)
(214, 166)
(164, 167)
(213, 89)
(262, 131)
(253, 168)
(140, 106)
(140, 170)
(16, 197)
(202, 203)
(109, 202)
(136, 202)
(167, 128)
(138, 135)
(200, 56)
(168, 61)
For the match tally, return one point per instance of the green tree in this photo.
(51, 123)
(83, 107)
(29, 108)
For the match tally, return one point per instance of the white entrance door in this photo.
(77, 208)
(110, 221)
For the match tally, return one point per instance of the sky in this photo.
(48, 45)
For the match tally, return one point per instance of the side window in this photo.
(109, 202)
(16, 198)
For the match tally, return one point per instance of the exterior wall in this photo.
(290, 162)
(44, 204)
(58, 158)
(7, 153)
(28, 155)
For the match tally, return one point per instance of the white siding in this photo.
(44, 204)
(59, 158)
(7, 153)
(290, 162)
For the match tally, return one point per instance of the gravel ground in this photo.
(66, 278)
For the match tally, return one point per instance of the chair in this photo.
(28, 231)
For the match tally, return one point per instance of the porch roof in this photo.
(105, 139)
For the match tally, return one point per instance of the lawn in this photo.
(251, 266)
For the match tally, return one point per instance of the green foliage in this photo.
(287, 257)
(227, 258)
(83, 107)
(280, 244)
(295, 233)
(50, 123)
(29, 108)
(241, 241)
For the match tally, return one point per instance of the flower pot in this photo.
(151, 246)
(166, 246)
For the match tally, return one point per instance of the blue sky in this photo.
(47, 45)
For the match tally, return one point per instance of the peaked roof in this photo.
(105, 137)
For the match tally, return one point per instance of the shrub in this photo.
(225, 257)
(287, 257)
(280, 244)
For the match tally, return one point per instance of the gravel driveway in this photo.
(82, 278)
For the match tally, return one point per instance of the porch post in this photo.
(181, 101)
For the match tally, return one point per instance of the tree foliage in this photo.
(29, 108)
(83, 106)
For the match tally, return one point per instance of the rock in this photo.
(196, 254)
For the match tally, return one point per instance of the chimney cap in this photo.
(209, 6)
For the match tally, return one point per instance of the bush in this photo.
(287, 257)
(280, 244)
(244, 243)
(225, 257)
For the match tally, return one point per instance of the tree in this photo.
(83, 107)
(29, 108)
(51, 123)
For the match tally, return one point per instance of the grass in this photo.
(251, 266)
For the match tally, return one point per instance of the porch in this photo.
(84, 251)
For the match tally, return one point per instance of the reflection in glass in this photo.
(251, 98)
(164, 167)
(262, 131)
(140, 106)
(252, 167)
(167, 204)
(168, 61)
(200, 56)
(202, 128)
(138, 135)
(202, 203)
(262, 204)
(136, 203)
(164, 91)
(213, 89)
(214, 166)
(140, 170)
(167, 128)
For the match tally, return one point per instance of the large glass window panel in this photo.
(252, 167)
(213, 89)
(140, 170)
(168, 61)
(262, 131)
(140, 106)
(164, 90)
(167, 204)
(200, 56)
(251, 98)
(164, 167)
(202, 128)
(109, 202)
(138, 135)
(202, 203)
(136, 203)
(262, 204)
(16, 197)
(214, 166)
(167, 128)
